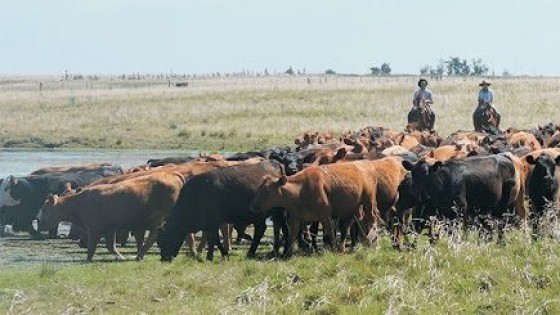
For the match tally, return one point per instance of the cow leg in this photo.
(190, 245)
(398, 223)
(139, 235)
(260, 228)
(293, 231)
(313, 232)
(279, 225)
(203, 241)
(36, 235)
(152, 237)
(53, 233)
(538, 211)
(344, 225)
(122, 236)
(304, 241)
(111, 243)
(329, 237)
(92, 240)
(213, 240)
(226, 230)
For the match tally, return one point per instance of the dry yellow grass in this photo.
(243, 113)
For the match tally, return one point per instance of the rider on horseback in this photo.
(486, 98)
(423, 97)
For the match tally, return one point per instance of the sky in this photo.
(207, 36)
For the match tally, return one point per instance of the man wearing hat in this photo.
(486, 97)
(423, 96)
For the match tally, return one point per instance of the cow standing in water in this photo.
(137, 204)
(21, 197)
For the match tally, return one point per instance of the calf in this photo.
(140, 203)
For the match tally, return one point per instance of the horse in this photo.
(486, 119)
(421, 117)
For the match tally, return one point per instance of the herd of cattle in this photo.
(355, 184)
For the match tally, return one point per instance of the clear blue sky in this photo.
(203, 36)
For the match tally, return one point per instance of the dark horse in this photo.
(421, 117)
(486, 118)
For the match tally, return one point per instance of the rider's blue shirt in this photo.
(486, 96)
(422, 95)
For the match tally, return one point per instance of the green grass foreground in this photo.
(449, 278)
(243, 113)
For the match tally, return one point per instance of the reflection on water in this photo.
(23, 162)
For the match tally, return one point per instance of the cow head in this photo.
(7, 198)
(49, 215)
(422, 173)
(544, 174)
(268, 194)
(169, 243)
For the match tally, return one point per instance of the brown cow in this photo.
(522, 138)
(334, 190)
(140, 203)
(187, 170)
(517, 194)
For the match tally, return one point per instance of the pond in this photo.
(23, 162)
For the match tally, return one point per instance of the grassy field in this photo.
(234, 114)
(451, 277)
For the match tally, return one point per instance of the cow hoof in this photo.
(138, 258)
(120, 258)
(272, 255)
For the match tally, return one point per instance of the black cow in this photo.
(543, 185)
(475, 186)
(22, 197)
(170, 160)
(210, 199)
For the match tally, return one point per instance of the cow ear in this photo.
(472, 153)
(340, 154)
(530, 159)
(348, 141)
(282, 181)
(407, 165)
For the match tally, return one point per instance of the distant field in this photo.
(242, 113)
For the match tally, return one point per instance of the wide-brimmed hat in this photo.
(484, 82)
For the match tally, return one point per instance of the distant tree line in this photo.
(455, 66)
(383, 69)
